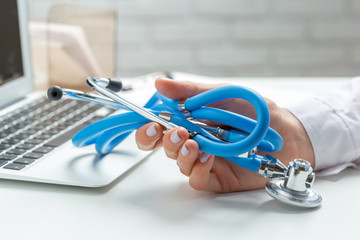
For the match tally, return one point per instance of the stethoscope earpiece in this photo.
(296, 188)
(55, 93)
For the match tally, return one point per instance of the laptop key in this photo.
(14, 166)
(10, 130)
(3, 162)
(16, 151)
(3, 134)
(28, 121)
(25, 146)
(22, 136)
(7, 156)
(14, 140)
(43, 149)
(20, 125)
(33, 155)
(65, 137)
(60, 127)
(39, 126)
(51, 131)
(9, 120)
(34, 141)
(30, 131)
(25, 161)
(4, 146)
(43, 136)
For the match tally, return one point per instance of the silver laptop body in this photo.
(63, 164)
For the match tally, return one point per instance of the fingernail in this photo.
(166, 78)
(174, 138)
(204, 157)
(184, 151)
(151, 131)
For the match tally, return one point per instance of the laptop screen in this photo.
(11, 66)
(15, 59)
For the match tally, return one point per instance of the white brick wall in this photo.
(265, 31)
(306, 8)
(309, 56)
(153, 60)
(188, 32)
(230, 58)
(149, 8)
(342, 31)
(228, 8)
(233, 37)
(131, 33)
(355, 7)
(356, 56)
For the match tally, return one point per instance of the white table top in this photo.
(154, 201)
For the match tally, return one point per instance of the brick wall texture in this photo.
(233, 37)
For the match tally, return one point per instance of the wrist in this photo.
(297, 143)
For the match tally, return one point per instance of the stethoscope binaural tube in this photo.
(55, 93)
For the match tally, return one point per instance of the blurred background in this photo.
(243, 38)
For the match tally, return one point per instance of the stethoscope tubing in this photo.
(108, 140)
(88, 135)
(109, 132)
(272, 141)
(221, 93)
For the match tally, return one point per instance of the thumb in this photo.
(181, 89)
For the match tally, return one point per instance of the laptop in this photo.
(35, 133)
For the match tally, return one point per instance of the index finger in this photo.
(149, 136)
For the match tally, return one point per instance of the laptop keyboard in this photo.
(29, 133)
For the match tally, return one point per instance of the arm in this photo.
(332, 122)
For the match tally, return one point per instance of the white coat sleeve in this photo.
(332, 122)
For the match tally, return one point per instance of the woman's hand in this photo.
(211, 173)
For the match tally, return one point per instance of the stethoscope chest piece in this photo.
(296, 189)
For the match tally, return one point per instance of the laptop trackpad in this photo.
(83, 166)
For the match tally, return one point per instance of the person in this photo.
(323, 129)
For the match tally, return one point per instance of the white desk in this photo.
(154, 201)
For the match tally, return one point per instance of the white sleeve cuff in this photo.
(330, 134)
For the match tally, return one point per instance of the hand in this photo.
(217, 174)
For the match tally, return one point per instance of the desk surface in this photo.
(154, 201)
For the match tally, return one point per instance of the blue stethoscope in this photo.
(237, 139)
